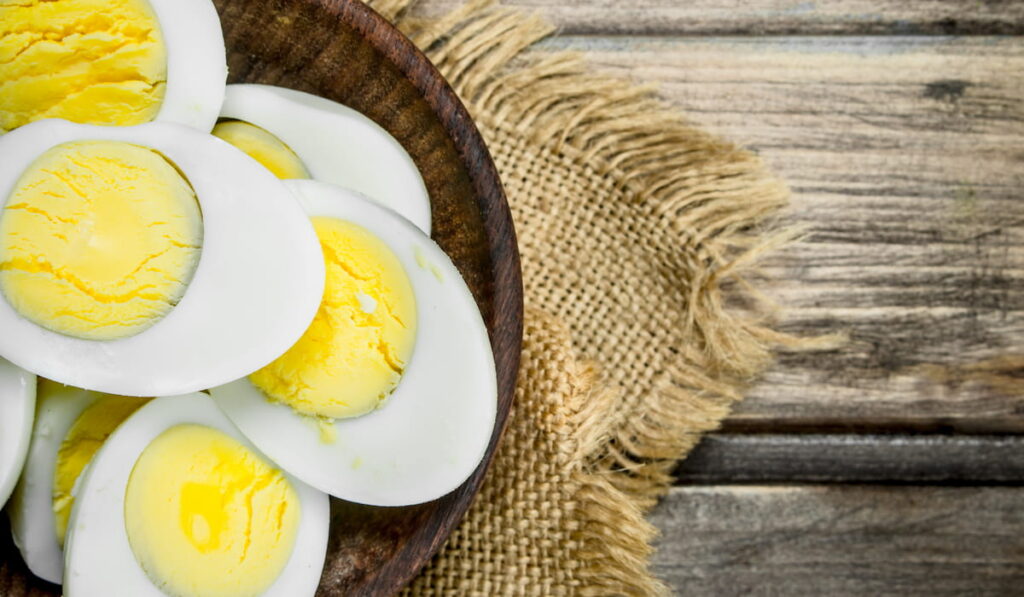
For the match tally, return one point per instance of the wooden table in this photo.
(894, 465)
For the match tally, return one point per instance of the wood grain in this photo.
(855, 458)
(770, 17)
(904, 155)
(822, 540)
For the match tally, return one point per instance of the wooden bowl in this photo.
(342, 50)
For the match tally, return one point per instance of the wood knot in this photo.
(949, 90)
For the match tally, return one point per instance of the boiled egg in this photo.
(390, 396)
(178, 502)
(148, 260)
(299, 135)
(17, 408)
(71, 425)
(111, 62)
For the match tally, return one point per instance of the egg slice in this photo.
(111, 280)
(177, 502)
(111, 62)
(17, 407)
(418, 440)
(332, 142)
(71, 424)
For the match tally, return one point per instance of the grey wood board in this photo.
(835, 540)
(769, 17)
(855, 458)
(904, 156)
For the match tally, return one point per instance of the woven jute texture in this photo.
(635, 229)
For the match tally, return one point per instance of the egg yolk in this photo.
(89, 61)
(85, 437)
(263, 147)
(98, 240)
(205, 516)
(353, 354)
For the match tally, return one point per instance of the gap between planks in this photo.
(855, 458)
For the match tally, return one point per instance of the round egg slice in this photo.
(111, 62)
(332, 143)
(17, 408)
(147, 261)
(388, 445)
(177, 502)
(71, 424)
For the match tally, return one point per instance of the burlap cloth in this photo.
(631, 225)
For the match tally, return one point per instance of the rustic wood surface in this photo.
(854, 540)
(666, 17)
(900, 128)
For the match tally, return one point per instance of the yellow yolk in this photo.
(98, 240)
(353, 354)
(263, 147)
(205, 516)
(85, 437)
(89, 61)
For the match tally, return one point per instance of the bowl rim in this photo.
(505, 327)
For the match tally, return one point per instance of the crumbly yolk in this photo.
(263, 147)
(353, 354)
(98, 240)
(85, 437)
(207, 517)
(89, 61)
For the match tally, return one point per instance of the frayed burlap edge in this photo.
(720, 200)
(614, 538)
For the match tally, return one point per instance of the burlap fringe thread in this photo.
(717, 200)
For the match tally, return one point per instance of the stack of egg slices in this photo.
(232, 305)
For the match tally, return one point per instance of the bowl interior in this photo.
(341, 50)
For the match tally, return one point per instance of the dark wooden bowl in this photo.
(342, 50)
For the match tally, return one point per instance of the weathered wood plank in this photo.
(760, 17)
(855, 458)
(855, 540)
(905, 159)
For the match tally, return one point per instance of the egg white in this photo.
(337, 145)
(256, 288)
(196, 62)
(98, 556)
(432, 432)
(17, 408)
(33, 523)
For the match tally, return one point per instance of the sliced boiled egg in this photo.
(71, 425)
(17, 408)
(178, 502)
(149, 260)
(299, 135)
(264, 147)
(389, 398)
(111, 62)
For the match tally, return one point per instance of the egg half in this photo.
(301, 135)
(111, 62)
(178, 502)
(426, 428)
(71, 424)
(102, 290)
(17, 409)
